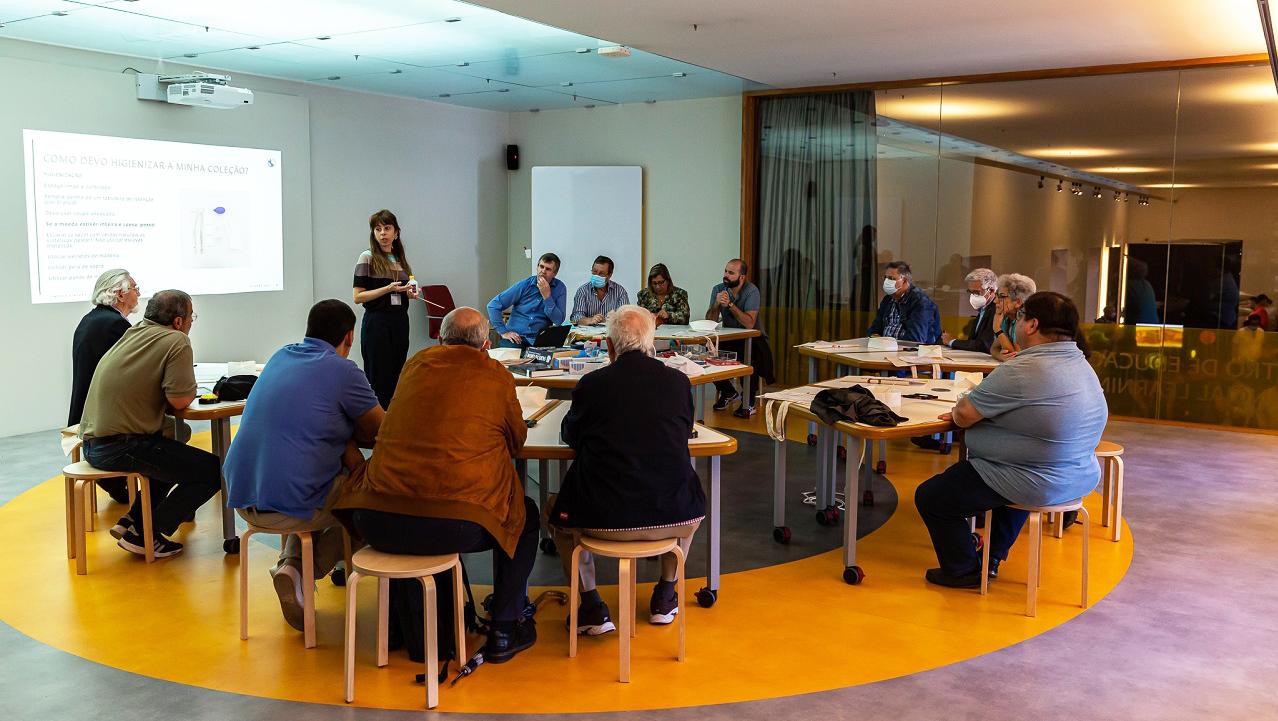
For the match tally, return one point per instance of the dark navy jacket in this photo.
(920, 320)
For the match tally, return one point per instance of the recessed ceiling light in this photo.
(590, 106)
(565, 84)
(534, 110)
(463, 64)
(253, 47)
(59, 13)
(452, 20)
(396, 71)
(190, 55)
(335, 77)
(583, 50)
(503, 90)
(650, 102)
(445, 95)
(324, 37)
(679, 75)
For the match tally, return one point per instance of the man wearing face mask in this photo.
(598, 296)
(982, 285)
(905, 313)
(1032, 429)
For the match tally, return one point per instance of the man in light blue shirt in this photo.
(535, 303)
(295, 445)
(1033, 426)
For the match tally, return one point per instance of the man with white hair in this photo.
(632, 478)
(982, 285)
(115, 297)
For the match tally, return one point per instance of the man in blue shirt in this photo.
(1032, 429)
(535, 303)
(296, 443)
(905, 313)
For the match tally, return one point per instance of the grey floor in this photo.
(1191, 632)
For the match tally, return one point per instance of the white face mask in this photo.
(977, 301)
(889, 286)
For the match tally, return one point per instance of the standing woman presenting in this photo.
(381, 286)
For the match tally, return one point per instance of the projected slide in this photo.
(202, 218)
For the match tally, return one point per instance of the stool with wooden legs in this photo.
(79, 480)
(308, 576)
(385, 566)
(1110, 456)
(627, 580)
(1036, 549)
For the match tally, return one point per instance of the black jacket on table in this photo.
(99, 329)
(979, 332)
(629, 425)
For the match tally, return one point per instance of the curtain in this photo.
(816, 237)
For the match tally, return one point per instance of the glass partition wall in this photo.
(1150, 199)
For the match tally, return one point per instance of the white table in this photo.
(923, 420)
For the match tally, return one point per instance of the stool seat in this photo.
(370, 562)
(1055, 508)
(1108, 449)
(83, 470)
(628, 549)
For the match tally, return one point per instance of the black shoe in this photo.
(132, 542)
(994, 567)
(117, 492)
(593, 620)
(926, 442)
(967, 580)
(662, 611)
(724, 401)
(1068, 518)
(744, 412)
(121, 527)
(502, 646)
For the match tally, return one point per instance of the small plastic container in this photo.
(576, 367)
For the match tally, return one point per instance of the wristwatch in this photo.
(999, 332)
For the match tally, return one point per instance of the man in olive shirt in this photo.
(148, 371)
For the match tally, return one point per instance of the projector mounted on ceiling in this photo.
(201, 90)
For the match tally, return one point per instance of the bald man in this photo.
(441, 480)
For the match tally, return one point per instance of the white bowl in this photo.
(704, 326)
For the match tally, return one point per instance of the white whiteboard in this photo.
(580, 212)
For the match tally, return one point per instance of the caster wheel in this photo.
(823, 517)
(231, 545)
(781, 534)
(548, 546)
(812, 439)
(978, 541)
(835, 516)
(853, 575)
(706, 597)
(867, 499)
(881, 467)
(842, 452)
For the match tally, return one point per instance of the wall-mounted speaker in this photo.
(512, 157)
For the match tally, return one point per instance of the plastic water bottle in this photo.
(412, 284)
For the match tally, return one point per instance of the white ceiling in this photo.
(819, 42)
(440, 50)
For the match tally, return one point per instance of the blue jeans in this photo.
(194, 475)
(947, 500)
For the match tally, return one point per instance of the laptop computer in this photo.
(552, 336)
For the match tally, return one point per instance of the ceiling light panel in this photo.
(100, 28)
(696, 85)
(277, 20)
(551, 70)
(482, 35)
(425, 83)
(289, 60)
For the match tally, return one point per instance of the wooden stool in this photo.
(1110, 456)
(627, 580)
(308, 576)
(80, 481)
(1035, 553)
(385, 566)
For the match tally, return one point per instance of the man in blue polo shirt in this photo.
(535, 303)
(296, 443)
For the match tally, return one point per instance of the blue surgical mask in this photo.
(598, 281)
